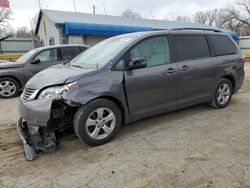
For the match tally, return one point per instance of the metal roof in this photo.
(60, 17)
(83, 23)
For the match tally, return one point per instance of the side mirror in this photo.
(35, 61)
(137, 63)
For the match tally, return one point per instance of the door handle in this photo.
(184, 68)
(170, 71)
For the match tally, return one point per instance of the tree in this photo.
(239, 17)
(22, 32)
(129, 13)
(209, 17)
(5, 14)
(182, 19)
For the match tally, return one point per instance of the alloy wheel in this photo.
(7, 88)
(223, 94)
(100, 123)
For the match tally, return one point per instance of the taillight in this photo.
(243, 58)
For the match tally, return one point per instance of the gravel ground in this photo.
(194, 147)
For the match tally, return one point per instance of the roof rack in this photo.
(197, 29)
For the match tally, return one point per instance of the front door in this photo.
(153, 89)
(47, 59)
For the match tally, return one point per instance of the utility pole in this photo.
(74, 5)
(32, 34)
(152, 14)
(39, 4)
(104, 9)
(94, 9)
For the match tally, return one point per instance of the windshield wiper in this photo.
(77, 66)
(66, 62)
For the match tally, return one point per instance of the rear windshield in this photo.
(223, 45)
(187, 47)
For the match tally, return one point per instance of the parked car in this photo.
(127, 78)
(14, 75)
(2, 61)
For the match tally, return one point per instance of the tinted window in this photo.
(82, 48)
(190, 47)
(47, 55)
(223, 45)
(154, 50)
(69, 53)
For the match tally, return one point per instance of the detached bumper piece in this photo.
(36, 139)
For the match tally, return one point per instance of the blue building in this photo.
(61, 27)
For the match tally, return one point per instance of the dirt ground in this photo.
(195, 147)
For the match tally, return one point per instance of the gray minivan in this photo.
(14, 75)
(127, 78)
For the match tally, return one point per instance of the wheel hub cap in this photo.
(100, 123)
(7, 88)
(223, 94)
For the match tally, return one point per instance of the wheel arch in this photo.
(15, 78)
(116, 101)
(231, 79)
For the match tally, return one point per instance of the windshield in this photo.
(25, 57)
(100, 54)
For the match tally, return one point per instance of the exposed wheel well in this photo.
(13, 77)
(232, 80)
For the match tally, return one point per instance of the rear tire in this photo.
(9, 88)
(98, 122)
(223, 94)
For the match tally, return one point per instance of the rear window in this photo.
(223, 45)
(187, 47)
(69, 53)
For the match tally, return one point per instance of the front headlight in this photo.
(56, 92)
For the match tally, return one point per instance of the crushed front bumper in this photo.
(39, 121)
(36, 139)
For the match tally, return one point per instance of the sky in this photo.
(24, 10)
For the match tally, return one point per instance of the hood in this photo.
(55, 75)
(8, 64)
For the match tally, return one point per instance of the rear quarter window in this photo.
(188, 47)
(223, 45)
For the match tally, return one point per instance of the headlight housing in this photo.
(56, 92)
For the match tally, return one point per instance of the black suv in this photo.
(14, 75)
(126, 78)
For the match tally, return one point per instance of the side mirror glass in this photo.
(137, 63)
(35, 61)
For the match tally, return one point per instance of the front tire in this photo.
(98, 122)
(223, 94)
(9, 88)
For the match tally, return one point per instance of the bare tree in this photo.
(129, 13)
(178, 18)
(239, 17)
(22, 32)
(5, 14)
(209, 17)
(200, 17)
(182, 19)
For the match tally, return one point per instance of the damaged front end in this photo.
(39, 121)
(36, 139)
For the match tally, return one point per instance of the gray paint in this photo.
(23, 72)
(140, 92)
